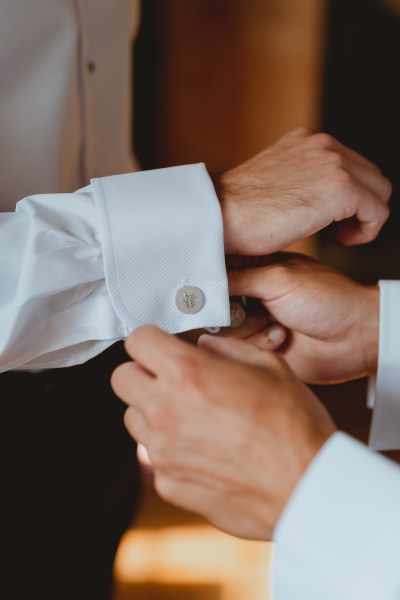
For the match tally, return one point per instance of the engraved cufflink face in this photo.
(238, 314)
(189, 299)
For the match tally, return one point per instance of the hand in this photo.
(297, 187)
(334, 321)
(226, 439)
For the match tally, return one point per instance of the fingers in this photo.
(154, 349)
(361, 191)
(372, 179)
(365, 202)
(299, 133)
(253, 324)
(325, 141)
(270, 339)
(130, 378)
(254, 283)
(241, 350)
(368, 220)
(328, 142)
(367, 191)
(354, 156)
(136, 425)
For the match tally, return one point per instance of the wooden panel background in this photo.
(236, 75)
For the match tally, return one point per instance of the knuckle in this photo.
(389, 187)
(283, 271)
(323, 141)
(119, 377)
(344, 177)
(116, 378)
(303, 130)
(166, 487)
(384, 214)
(129, 420)
(158, 453)
(157, 415)
(370, 234)
(335, 159)
(186, 370)
(342, 180)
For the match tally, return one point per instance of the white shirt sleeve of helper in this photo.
(80, 271)
(384, 389)
(339, 535)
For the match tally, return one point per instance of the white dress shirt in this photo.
(65, 95)
(339, 536)
(384, 389)
(80, 269)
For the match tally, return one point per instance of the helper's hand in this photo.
(297, 187)
(334, 321)
(226, 439)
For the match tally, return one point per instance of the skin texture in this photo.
(297, 187)
(228, 427)
(228, 438)
(333, 322)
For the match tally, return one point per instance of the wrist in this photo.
(229, 210)
(370, 329)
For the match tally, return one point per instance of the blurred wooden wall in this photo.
(236, 75)
(218, 80)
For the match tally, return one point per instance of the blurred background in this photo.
(217, 81)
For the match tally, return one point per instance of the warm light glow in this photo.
(195, 554)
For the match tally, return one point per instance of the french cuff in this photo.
(384, 390)
(338, 535)
(162, 242)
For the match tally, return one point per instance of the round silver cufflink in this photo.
(189, 299)
(238, 314)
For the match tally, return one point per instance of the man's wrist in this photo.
(370, 329)
(229, 212)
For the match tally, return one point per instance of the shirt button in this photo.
(238, 314)
(189, 300)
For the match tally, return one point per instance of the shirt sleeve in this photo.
(384, 389)
(338, 536)
(80, 271)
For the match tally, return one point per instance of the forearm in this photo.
(82, 270)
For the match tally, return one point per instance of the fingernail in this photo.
(274, 334)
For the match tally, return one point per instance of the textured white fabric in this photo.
(384, 390)
(53, 295)
(153, 229)
(183, 246)
(65, 94)
(66, 118)
(339, 536)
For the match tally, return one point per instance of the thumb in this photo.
(253, 282)
(272, 280)
(234, 349)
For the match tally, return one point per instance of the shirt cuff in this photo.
(384, 390)
(338, 536)
(163, 228)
